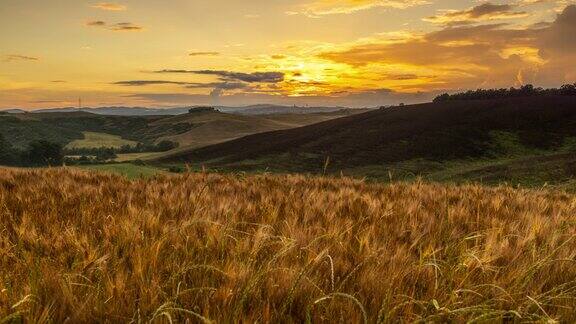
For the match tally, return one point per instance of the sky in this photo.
(354, 53)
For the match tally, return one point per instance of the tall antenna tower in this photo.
(79, 103)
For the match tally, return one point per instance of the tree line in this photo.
(44, 153)
(524, 91)
(104, 154)
(107, 153)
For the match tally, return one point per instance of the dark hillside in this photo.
(436, 131)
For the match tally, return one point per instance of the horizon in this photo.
(533, 90)
(178, 107)
(343, 53)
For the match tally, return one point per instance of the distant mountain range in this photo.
(142, 111)
(274, 109)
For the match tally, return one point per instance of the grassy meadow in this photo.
(79, 246)
(98, 140)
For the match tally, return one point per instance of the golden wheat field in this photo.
(199, 247)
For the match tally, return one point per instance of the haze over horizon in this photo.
(353, 53)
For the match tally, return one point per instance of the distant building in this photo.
(201, 109)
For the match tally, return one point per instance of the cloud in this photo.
(470, 56)
(172, 98)
(47, 101)
(17, 57)
(117, 27)
(218, 85)
(139, 83)
(217, 88)
(365, 98)
(388, 68)
(484, 12)
(189, 85)
(561, 35)
(108, 6)
(96, 23)
(203, 54)
(330, 7)
(126, 26)
(401, 77)
(261, 77)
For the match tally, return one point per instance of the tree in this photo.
(8, 155)
(165, 146)
(442, 97)
(568, 90)
(43, 153)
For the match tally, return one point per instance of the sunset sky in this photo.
(164, 53)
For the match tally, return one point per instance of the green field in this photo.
(130, 171)
(97, 140)
(126, 157)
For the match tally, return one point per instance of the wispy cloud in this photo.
(262, 77)
(123, 26)
(126, 26)
(330, 7)
(484, 12)
(17, 57)
(48, 101)
(108, 6)
(218, 85)
(96, 23)
(137, 83)
(203, 54)
(189, 85)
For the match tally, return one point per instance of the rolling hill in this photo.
(190, 130)
(468, 137)
(261, 109)
(211, 127)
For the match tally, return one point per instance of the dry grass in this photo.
(88, 247)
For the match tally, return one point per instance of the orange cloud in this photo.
(329, 7)
(16, 57)
(204, 54)
(483, 12)
(458, 57)
(109, 6)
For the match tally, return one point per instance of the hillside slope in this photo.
(85, 247)
(448, 131)
(212, 127)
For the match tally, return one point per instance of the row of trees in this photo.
(99, 154)
(524, 91)
(163, 146)
(104, 154)
(38, 153)
(110, 152)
